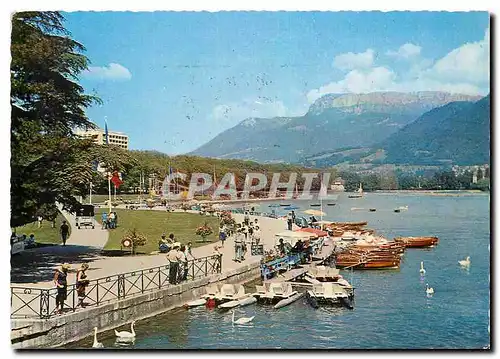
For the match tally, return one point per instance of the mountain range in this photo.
(361, 126)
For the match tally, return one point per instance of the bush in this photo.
(137, 238)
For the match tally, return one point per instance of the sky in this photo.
(174, 80)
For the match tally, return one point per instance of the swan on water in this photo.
(96, 343)
(242, 320)
(465, 263)
(429, 291)
(126, 335)
(422, 270)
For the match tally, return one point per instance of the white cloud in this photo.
(406, 51)
(463, 70)
(470, 62)
(357, 81)
(351, 61)
(115, 72)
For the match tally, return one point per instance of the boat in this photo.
(329, 294)
(397, 210)
(274, 292)
(250, 299)
(284, 302)
(331, 204)
(359, 194)
(284, 205)
(315, 205)
(372, 209)
(417, 242)
(195, 303)
(226, 293)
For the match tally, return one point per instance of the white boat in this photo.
(274, 292)
(225, 293)
(359, 194)
(284, 302)
(329, 293)
(195, 303)
(250, 299)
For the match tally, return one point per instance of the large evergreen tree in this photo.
(49, 163)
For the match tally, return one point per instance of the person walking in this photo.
(111, 217)
(256, 235)
(116, 219)
(293, 216)
(289, 221)
(104, 220)
(61, 282)
(64, 230)
(189, 250)
(81, 283)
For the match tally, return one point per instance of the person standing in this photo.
(238, 242)
(64, 230)
(116, 219)
(184, 261)
(256, 235)
(293, 216)
(61, 282)
(40, 219)
(111, 217)
(222, 234)
(189, 250)
(289, 221)
(104, 220)
(81, 283)
(246, 219)
(173, 258)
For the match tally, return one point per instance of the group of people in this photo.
(109, 220)
(290, 220)
(300, 247)
(29, 242)
(61, 282)
(247, 232)
(178, 257)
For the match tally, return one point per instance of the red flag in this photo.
(116, 179)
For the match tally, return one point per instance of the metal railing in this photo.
(38, 302)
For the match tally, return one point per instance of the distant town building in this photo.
(338, 185)
(114, 138)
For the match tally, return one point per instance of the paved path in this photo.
(35, 268)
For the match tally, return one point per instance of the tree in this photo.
(49, 163)
(136, 238)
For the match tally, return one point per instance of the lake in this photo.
(391, 310)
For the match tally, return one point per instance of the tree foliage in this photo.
(49, 163)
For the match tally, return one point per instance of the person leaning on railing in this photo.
(61, 282)
(81, 283)
(174, 257)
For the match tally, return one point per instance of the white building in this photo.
(98, 135)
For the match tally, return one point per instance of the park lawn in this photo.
(101, 198)
(46, 234)
(154, 223)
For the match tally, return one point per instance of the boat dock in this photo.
(287, 276)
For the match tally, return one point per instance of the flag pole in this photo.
(115, 192)
(90, 193)
(109, 191)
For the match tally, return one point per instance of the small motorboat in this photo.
(272, 293)
(397, 210)
(329, 294)
(372, 209)
(195, 303)
(331, 204)
(284, 302)
(315, 204)
(284, 205)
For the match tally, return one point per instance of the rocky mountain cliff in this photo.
(333, 121)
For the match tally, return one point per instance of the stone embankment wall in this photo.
(60, 330)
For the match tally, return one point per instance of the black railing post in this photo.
(219, 267)
(97, 292)
(74, 290)
(44, 303)
(206, 266)
(142, 281)
(192, 267)
(159, 278)
(121, 286)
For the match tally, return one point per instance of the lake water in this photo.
(391, 310)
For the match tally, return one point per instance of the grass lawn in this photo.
(46, 234)
(154, 223)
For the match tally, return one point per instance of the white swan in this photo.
(242, 320)
(422, 270)
(96, 343)
(126, 335)
(465, 263)
(429, 291)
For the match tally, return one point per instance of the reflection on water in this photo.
(391, 307)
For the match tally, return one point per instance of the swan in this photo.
(429, 291)
(422, 270)
(242, 320)
(465, 263)
(126, 335)
(96, 343)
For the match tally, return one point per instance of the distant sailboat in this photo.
(360, 193)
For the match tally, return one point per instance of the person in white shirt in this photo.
(174, 257)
